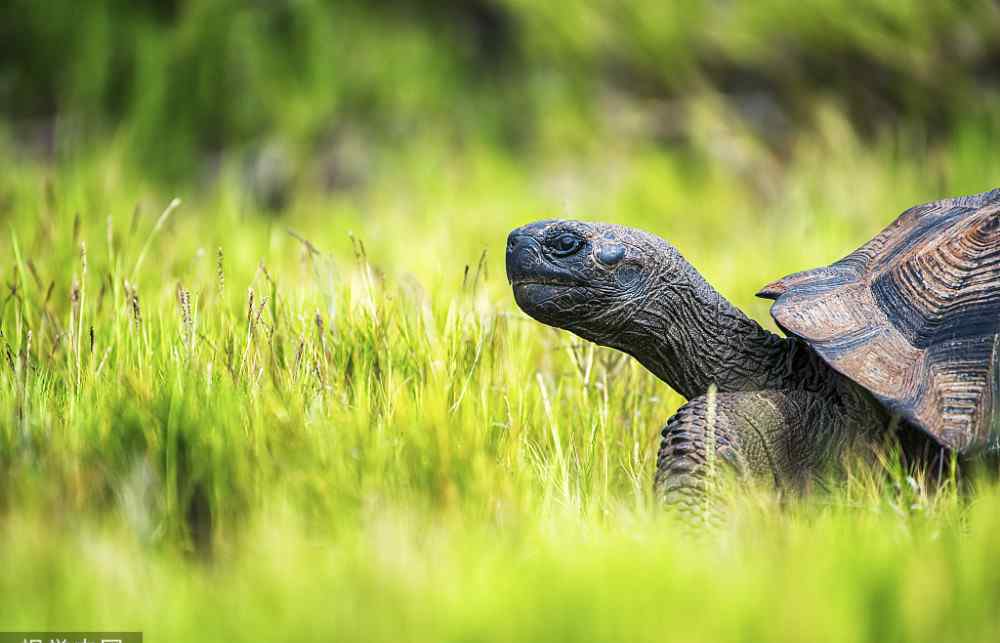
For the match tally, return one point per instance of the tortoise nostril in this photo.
(521, 255)
(512, 243)
(516, 238)
(610, 254)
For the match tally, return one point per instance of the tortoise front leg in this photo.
(783, 438)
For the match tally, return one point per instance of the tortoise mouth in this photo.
(530, 291)
(543, 281)
(536, 296)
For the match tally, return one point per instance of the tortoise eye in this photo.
(566, 244)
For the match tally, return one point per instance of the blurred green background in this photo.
(186, 84)
(212, 429)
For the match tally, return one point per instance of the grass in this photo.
(214, 429)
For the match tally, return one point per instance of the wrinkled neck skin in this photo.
(690, 336)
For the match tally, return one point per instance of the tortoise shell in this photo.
(914, 317)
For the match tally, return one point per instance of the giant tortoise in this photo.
(901, 335)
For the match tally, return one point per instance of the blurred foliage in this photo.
(212, 429)
(183, 80)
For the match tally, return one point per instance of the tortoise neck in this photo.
(690, 336)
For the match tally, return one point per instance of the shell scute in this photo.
(914, 316)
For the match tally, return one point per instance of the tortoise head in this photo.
(589, 278)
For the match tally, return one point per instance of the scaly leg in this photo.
(781, 437)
